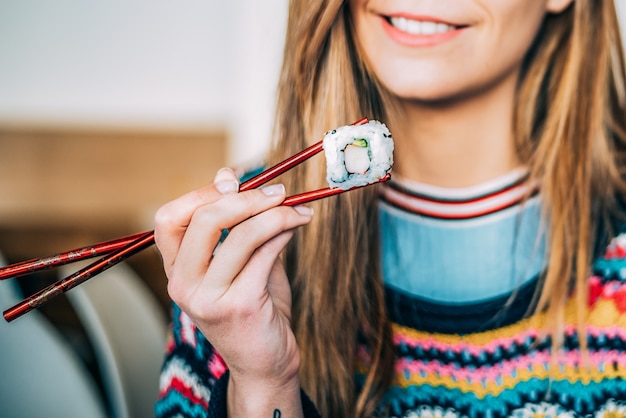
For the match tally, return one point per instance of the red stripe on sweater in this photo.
(180, 387)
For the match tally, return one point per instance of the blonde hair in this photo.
(570, 127)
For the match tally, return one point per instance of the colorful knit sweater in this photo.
(458, 353)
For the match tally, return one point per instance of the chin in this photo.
(422, 82)
(428, 93)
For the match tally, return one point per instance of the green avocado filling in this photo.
(360, 142)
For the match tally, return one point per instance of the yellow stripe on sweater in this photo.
(482, 389)
(604, 313)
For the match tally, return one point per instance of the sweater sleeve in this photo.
(194, 378)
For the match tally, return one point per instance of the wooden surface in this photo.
(98, 175)
(62, 188)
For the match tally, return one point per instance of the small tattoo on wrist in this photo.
(277, 413)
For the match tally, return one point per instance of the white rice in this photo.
(379, 143)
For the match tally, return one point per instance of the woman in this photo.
(461, 289)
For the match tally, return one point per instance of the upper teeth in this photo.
(416, 27)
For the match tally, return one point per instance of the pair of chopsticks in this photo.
(117, 250)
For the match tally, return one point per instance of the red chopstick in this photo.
(39, 298)
(78, 254)
(301, 199)
(120, 249)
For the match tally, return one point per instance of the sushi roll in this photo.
(357, 155)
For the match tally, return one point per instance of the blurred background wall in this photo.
(147, 63)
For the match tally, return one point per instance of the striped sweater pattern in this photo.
(511, 371)
(505, 372)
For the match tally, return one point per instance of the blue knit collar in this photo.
(461, 245)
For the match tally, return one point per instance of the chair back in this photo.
(127, 329)
(42, 375)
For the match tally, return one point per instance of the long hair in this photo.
(569, 125)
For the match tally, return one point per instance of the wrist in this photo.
(262, 398)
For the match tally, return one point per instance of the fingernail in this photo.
(304, 210)
(274, 190)
(226, 172)
(227, 186)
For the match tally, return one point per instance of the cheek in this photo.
(511, 26)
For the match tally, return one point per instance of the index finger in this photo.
(173, 218)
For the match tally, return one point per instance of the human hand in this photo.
(237, 295)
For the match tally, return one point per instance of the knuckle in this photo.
(241, 309)
(163, 218)
(176, 288)
(200, 308)
(175, 292)
(279, 218)
(254, 201)
(208, 216)
(202, 215)
(242, 235)
(259, 228)
(249, 198)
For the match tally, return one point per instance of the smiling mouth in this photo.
(420, 27)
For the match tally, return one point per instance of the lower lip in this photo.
(408, 39)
